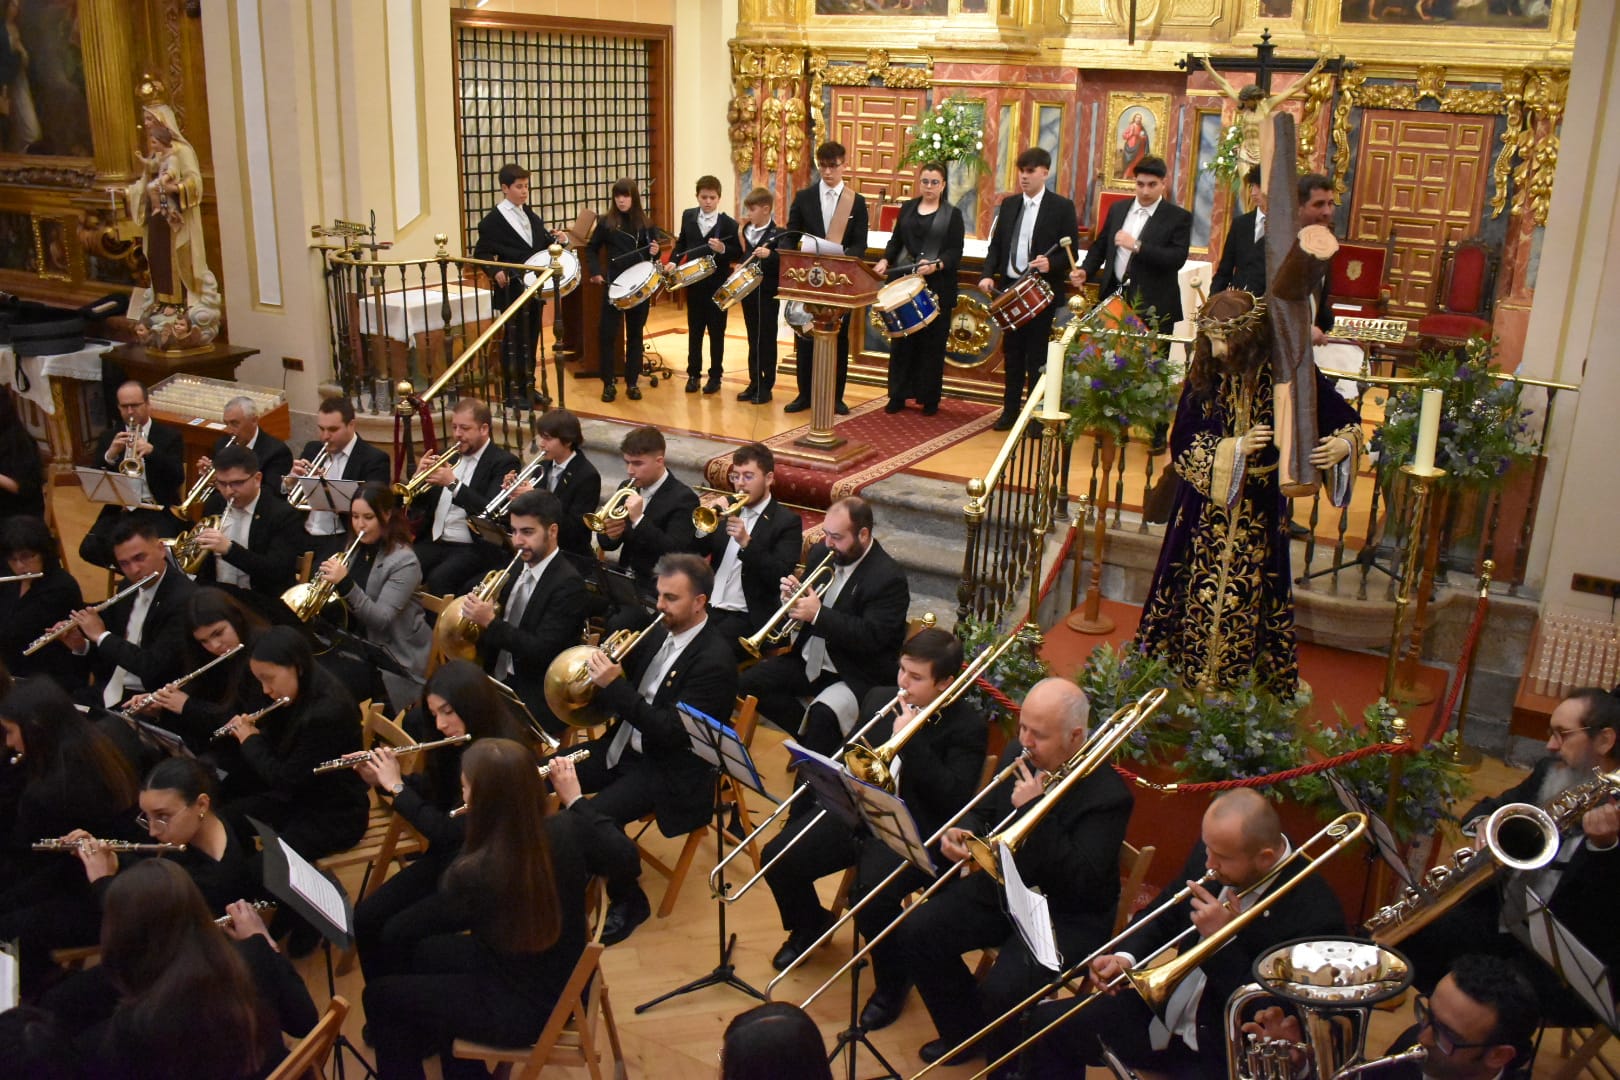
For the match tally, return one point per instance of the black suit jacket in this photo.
(275, 462)
(805, 214)
(666, 525)
(1053, 221)
(612, 251)
(367, 464)
(498, 241)
(579, 489)
(552, 621)
(28, 615)
(769, 264)
(275, 540)
(165, 465)
(161, 654)
(940, 765)
(948, 252)
(725, 230)
(483, 485)
(772, 553)
(1243, 259)
(1150, 276)
(703, 676)
(866, 625)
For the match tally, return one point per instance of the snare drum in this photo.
(688, 273)
(1027, 298)
(635, 286)
(797, 318)
(906, 305)
(567, 271)
(743, 280)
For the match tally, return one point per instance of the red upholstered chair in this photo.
(1105, 203)
(1358, 281)
(1467, 293)
(888, 217)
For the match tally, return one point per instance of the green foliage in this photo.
(1115, 380)
(1014, 673)
(1226, 166)
(1238, 734)
(1113, 678)
(953, 130)
(1484, 431)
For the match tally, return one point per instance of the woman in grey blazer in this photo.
(380, 584)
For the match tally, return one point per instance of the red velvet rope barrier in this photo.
(1464, 660)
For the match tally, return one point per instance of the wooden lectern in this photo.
(828, 286)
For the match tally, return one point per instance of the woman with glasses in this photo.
(34, 606)
(929, 233)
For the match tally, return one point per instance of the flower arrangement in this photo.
(1018, 669)
(1484, 431)
(1115, 380)
(1113, 678)
(1238, 734)
(1227, 165)
(953, 130)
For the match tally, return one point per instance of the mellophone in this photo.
(544, 770)
(129, 846)
(61, 628)
(225, 728)
(360, 757)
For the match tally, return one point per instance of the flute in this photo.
(225, 728)
(65, 625)
(21, 577)
(261, 906)
(145, 701)
(544, 771)
(360, 757)
(130, 846)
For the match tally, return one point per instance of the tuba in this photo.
(612, 510)
(569, 690)
(416, 486)
(308, 599)
(454, 635)
(779, 628)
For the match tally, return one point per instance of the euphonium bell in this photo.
(308, 599)
(612, 510)
(706, 519)
(569, 689)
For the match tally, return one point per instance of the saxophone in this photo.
(1518, 836)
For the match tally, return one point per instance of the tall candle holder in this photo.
(1090, 618)
(1417, 536)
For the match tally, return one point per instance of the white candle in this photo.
(1054, 378)
(1428, 431)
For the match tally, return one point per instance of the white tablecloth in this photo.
(84, 365)
(422, 311)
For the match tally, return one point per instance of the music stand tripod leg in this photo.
(854, 1035)
(341, 1043)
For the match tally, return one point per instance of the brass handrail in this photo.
(1410, 380)
(345, 259)
(1037, 397)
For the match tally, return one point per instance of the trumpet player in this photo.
(449, 551)
(161, 457)
(1072, 857)
(643, 763)
(569, 475)
(850, 635)
(540, 612)
(1578, 886)
(348, 457)
(1242, 841)
(257, 542)
(938, 773)
(753, 550)
(241, 420)
(657, 522)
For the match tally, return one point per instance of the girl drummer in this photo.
(624, 239)
(929, 232)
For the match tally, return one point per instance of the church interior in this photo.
(288, 203)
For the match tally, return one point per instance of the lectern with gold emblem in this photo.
(827, 286)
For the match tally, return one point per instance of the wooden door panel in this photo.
(872, 123)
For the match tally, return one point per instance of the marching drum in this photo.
(688, 273)
(743, 280)
(906, 305)
(797, 318)
(1025, 299)
(635, 286)
(567, 270)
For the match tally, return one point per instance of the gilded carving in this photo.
(817, 276)
(1317, 94)
(1514, 139)
(742, 114)
(877, 66)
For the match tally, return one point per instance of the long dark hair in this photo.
(61, 742)
(636, 219)
(183, 775)
(774, 1041)
(178, 974)
(481, 707)
(18, 451)
(207, 606)
(30, 534)
(507, 854)
(286, 647)
(396, 525)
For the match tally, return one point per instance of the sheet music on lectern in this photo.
(817, 245)
(1383, 837)
(112, 488)
(1562, 951)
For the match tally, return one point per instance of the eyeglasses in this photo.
(155, 824)
(928, 181)
(1558, 735)
(1445, 1040)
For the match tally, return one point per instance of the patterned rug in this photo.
(899, 439)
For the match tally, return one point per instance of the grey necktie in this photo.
(514, 615)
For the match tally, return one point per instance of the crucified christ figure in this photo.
(1254, 110)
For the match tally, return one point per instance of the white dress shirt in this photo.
(707, 222)
(1018, 258)
(1135, 221)
(670, 651)
(324, 522)
(554, 471)
(647, 494)
(1259, 225)
(235, 527)
(121, 681)
(449, 519)
(516, 604)
(754, 233)
(114, 456)
(829, 203)
(517, 219)
(728, 587)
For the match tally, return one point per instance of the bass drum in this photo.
(567, 270)
(797, 318)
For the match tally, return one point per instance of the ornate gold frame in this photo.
(74, 252)
(1157, 104)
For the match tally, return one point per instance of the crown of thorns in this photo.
(1238, 323)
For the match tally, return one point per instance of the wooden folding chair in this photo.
(1133, 868)
(308, 1058)
(744, 720)
(1584, 1056)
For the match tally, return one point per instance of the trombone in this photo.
(778, 628)
(417, 485)
(65, 625)
(706, 519)
(612, 510)
(299, 498)
(1093, 754)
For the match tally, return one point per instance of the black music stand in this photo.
(333, 496)
(318, 897)
(720, 746)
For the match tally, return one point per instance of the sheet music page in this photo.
(1029, 913)
(315, 887)
(10, 986)
(817, 245)
(330, 495)
(1574, 962)
(1382, 837)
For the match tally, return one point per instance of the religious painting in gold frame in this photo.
(1138, 125)
(54, 248)
(44, 96)
(1489, 16)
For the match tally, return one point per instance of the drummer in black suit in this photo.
(449, 551)
(929, 233)
(161, 455)
(241, 418)
(657, 519)
(624, 237)
(752, 550)
(707, 227)
(511, 233)
(760, 307)
(1143, 246)
(829, 209)
(1027, 226)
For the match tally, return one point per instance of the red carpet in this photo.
(899, 439)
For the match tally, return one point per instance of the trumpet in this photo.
(360, 757)
(569, 690)
(65, 625)
(146, 701)
(131, 464)
(417, 485)
(128, 846)
(200, 490)
(261, 906)
(612, 510)
(225, 728)
(779, 627)
(188, 553)
(308, 599)
(299, 499)
(456, 636)
(20, 577)
(706, 519)
(544, 770)
(497, 506)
